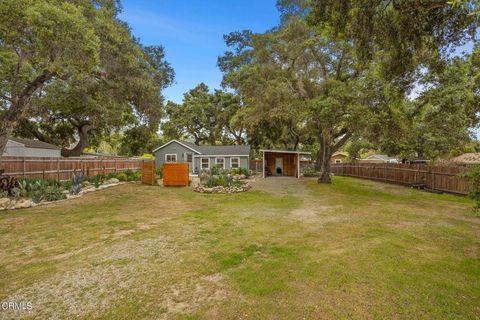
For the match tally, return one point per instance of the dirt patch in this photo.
(90, 289)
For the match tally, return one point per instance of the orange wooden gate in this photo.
(148, 172)
(175, 174)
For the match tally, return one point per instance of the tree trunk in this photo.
(82, 142)
(326, 154)
(17, 108)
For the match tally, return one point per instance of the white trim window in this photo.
(205, 163)
(170, 157)
(189, 157)
(220, 162)
(235, 162)
(338, 161)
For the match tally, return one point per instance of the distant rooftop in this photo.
(30, 143)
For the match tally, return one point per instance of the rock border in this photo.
(24, 203)
(222, 190)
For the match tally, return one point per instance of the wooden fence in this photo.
(148, 172)
(175, 174)
(440, 178)
(63, 168)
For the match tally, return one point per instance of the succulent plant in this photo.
(76, 184)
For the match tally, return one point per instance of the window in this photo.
(338, 161)
(205, 163)
(235, 162)
(220, 162)
(189, 157)
(170, 157)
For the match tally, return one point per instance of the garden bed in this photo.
(222, 189)
(26, 193)
(217, 180)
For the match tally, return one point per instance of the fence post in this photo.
(115, 165)
(58, 170)
(385, 173)
(24, 168)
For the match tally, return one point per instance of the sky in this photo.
(191, 32)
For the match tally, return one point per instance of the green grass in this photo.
(290, 249)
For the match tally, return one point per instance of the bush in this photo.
(122, 176)
(132, 175)
(159, 172)
(54, 193)
(473, 176)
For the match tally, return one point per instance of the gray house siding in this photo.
(181, 148)
(172, 148)
(228, 162)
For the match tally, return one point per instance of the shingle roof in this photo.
(224, 150)
(380, 156)
(213, 150)
(29, 143)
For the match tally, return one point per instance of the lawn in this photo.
(289, 249)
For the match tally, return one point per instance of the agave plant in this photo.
(76, 184)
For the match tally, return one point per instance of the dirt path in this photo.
(312, 210)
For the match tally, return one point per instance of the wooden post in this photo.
(24, 168)
(385, 173)
(263, 166)
(58, 169)
(115, 165)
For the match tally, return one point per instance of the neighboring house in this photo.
(18, 147)
(378, 158)
(339, 157)
(467, 158)
(202, 157)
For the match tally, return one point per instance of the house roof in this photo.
(340, 153)
(383, 157)
(473, 157)
(29, 143)
(234, 150)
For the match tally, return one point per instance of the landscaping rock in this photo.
(22, 204)
(85, 184)
(219, 189)
(113, 180)
(4, 203)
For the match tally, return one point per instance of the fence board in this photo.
(440, 178)
(63, 168)
(175, 174)
(148, 172)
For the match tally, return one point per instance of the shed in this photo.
(281, 163)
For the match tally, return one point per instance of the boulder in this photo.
(4, 203)
(85, 184)
(113, 180)
(21, 204)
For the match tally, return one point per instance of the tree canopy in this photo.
(72, 72)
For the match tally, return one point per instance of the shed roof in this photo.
(29, 143)
(286, 151)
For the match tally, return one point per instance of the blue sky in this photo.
(192, 33)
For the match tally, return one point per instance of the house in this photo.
(18, 147)
(467, 158)
(339, 157)
(378, 158)
(202, 157)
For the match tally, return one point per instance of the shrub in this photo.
(53, 193)
(122, 176)
(132, 175)
(473, 176)
(159, 172)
